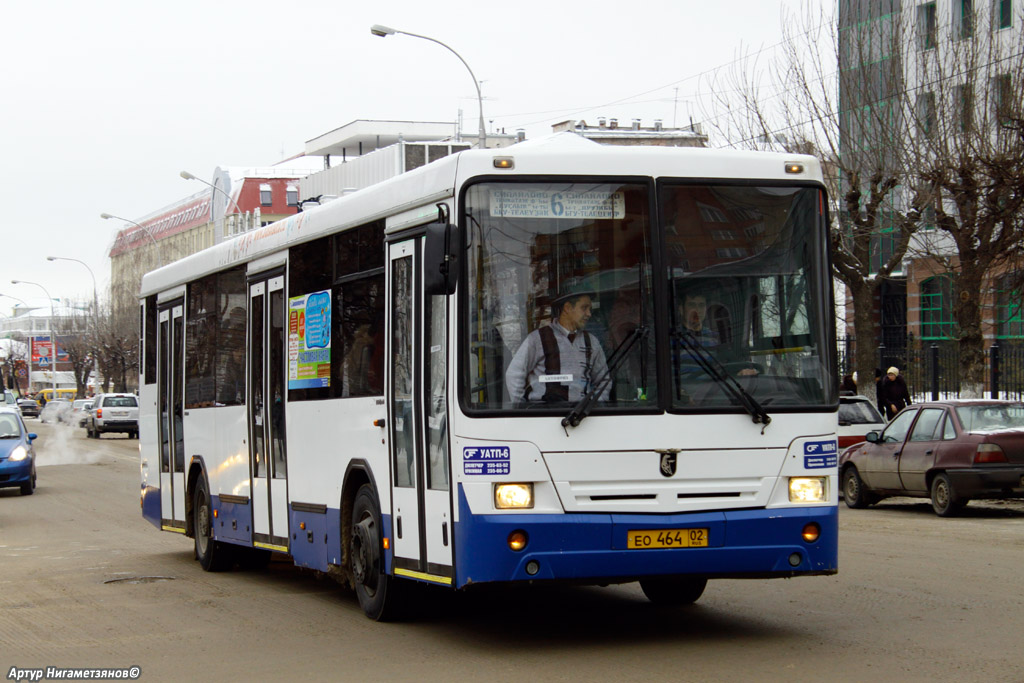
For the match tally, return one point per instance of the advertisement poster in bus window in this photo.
(309, 340)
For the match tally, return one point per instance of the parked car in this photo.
(17, 455)
(858, 415)
(28, 407)
(51, 411)
(950, 451)
(114, 413)
(78, 414)
(9, 399)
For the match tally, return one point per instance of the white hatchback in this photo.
(858, 415)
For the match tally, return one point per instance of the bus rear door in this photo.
(421, 504)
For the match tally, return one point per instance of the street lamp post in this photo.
(53, 335)
(384, 31)
(156, 246)
(188, 176)
(95, 312)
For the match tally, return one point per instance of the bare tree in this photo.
(117, 345)
(74, 332)
(15, 358)
(966, 139)
(799, 102)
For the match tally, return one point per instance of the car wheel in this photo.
(213, 556)
(855, 493)
(945, 502)
(377, 592)
(673, 592)
(29, 487)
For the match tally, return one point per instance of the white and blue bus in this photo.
(345, 386)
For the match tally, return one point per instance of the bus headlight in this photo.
(18, 453)
(808, 489)
(509, 496)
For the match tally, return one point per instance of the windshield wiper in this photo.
(714, 368)
(586, 402)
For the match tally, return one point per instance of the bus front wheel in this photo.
(673, 591)
(213, 556)
(376, 591)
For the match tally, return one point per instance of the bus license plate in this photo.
(666, 538)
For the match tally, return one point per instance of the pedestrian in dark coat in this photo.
(893, 393)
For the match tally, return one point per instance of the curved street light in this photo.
(385, 31)
(95, 310)
(53, 335)
(156, 246)
(188, 176)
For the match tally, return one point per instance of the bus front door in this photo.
(268, 463)
(170, 379)
(421, 505)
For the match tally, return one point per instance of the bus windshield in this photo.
(564, 303)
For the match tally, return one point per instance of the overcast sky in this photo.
(105, 102)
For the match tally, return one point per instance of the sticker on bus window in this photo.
(487, 460)
(820, 454)
(309, 340)
(574, 204)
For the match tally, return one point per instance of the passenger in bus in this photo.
(558, 362)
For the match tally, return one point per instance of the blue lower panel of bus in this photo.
(233, 522)
(151, 505)
(593, 546)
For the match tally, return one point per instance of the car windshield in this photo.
(9, 428)
(982, 418)
(858, 413)
(565, 304)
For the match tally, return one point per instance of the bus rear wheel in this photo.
(213, 556)
(377, 592)
(673, 591)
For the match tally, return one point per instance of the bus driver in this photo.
(560, 361)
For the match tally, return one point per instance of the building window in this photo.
(1003, 11)
(1002, 99)
(937, 307)
(292, 196)
(731, 252)
(926, 114)
(266, 196)
(1009, 317)
(927, 28)
(723, 235)
(711, 214)
(963, 98)
(963, 18)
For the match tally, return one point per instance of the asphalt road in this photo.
(85, 582)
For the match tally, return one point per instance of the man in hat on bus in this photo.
(559, 362)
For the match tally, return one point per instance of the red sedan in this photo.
(950, 451)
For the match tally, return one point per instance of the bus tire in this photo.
(377, 592)
(213, 556)
(673, 592)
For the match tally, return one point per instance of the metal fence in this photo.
(931, 368)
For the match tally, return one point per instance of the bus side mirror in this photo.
(441, 259)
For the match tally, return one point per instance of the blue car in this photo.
(17, 455)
